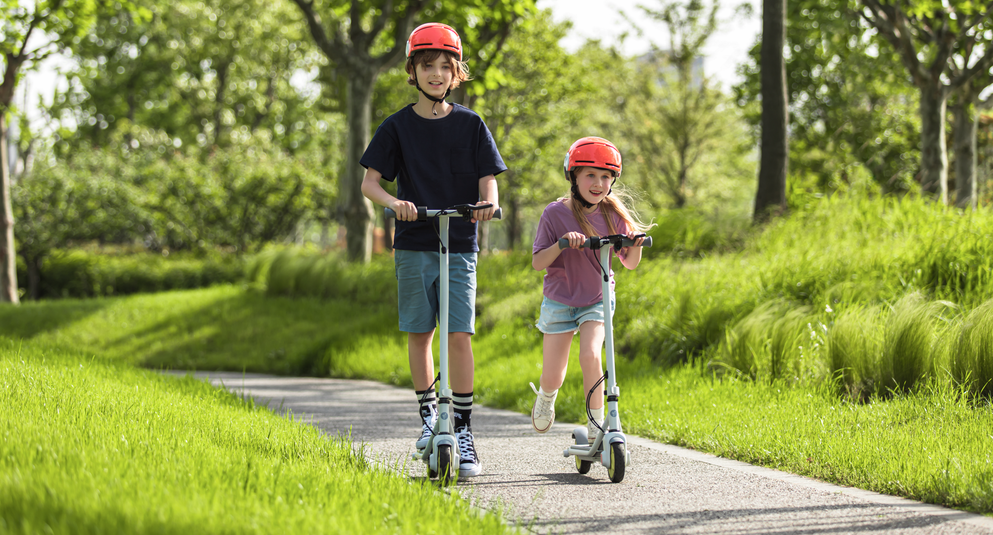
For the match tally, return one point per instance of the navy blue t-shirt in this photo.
(438, 163)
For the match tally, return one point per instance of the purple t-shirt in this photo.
(574, 277)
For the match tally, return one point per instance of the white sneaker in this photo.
(427, 429)
(543, 411)
(592, 430)
(469, 464)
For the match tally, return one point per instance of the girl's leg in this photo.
(591, 335)
(555, 360)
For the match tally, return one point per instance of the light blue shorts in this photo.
(418, 285)
(557, 318)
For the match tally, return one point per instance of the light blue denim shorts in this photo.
(418, 286)
(558, 318)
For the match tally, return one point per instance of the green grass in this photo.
(832, 344)
(91, 446)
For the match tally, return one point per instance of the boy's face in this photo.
(435, 76)
(593, 183)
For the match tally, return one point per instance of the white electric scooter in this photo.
(442, 450)
(608, 446)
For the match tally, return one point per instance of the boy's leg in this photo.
(422, 374)
(420, 358)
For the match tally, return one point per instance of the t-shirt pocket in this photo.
(463, 162)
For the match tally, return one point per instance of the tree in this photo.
(61, 22)
(850, 107)
(205, 72)
(926, 34)
(362, 40)
(965, 121)
(676, 120)
(774, 164)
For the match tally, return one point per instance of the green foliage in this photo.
(94, 447)
(303, 273)
(205, 73)
(851, 104)
(971, 361)
(142, 189)
(82, 273)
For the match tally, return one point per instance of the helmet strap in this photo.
(578, 197)
(433, 99)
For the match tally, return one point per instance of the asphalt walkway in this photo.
(666, 489)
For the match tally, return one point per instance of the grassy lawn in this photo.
(849, 342)
(91, 445)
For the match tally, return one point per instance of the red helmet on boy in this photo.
(434, 36)
(593, 152)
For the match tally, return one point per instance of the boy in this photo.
(442, 155)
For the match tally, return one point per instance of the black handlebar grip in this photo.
(625, 242)
(421, 213)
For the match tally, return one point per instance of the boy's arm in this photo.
(373, 190)
(487, 193)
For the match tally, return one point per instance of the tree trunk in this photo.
(34, 277)
(8, 264)
(770, 199)
(357, 209)
(966, 121)
(513, 224)
(934, 150)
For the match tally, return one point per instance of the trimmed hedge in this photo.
(80, 273)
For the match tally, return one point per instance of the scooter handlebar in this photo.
(423, 213)
(590, 243)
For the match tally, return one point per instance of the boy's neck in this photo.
(423, 108)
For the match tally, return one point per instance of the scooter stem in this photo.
(613, 418)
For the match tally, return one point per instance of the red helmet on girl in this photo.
(434, 36)
(593, 152)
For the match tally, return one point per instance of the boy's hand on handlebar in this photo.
(485, 214)
(576, 239)
(406, 211)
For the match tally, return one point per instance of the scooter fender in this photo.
(611, 438)
(437, 441)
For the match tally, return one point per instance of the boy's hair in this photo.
(617, 202)
(460, 69)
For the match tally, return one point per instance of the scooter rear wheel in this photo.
(617, 459)
(579, 435)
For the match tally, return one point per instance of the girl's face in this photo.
(435, 77)
(593, 183)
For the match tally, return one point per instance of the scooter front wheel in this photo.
(445, 464)
(617, 459)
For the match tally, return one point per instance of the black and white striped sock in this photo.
(462, 407)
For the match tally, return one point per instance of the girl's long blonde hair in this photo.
(616, 202)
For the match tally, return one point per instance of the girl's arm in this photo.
(632, 254)
(544, 258)
(373, 190)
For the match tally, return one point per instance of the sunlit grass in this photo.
(94, 447)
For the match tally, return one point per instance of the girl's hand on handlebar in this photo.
(485, 214)
(638, 238)
(406, 211)
(576, 239)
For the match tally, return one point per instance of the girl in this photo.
(572, 291)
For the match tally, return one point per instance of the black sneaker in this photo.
(469, 464)
(427, 429)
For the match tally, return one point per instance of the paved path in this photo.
(666, 489)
